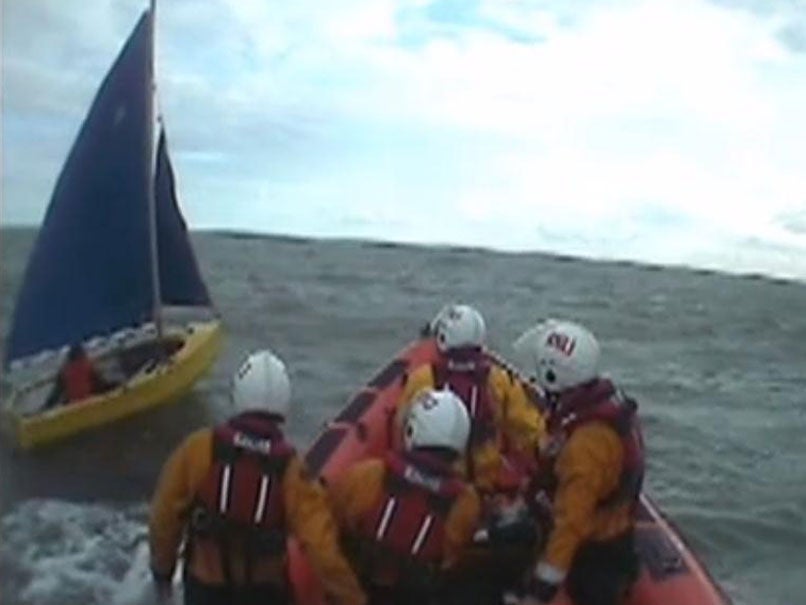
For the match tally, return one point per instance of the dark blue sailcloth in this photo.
(90, 273)
(180, 279)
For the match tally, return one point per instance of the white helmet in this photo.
(261, 383)
(458, 326)
(437, 419)
(558, 355)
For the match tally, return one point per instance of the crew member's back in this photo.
(235, 492)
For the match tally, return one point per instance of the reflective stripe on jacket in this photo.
(373, 503)
(469, 379)
(239, 505)
(519, 425)
(307, 517)
(408, 520)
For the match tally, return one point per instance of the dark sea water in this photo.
(717, 362)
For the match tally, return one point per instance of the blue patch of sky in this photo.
(758, 7)
(450, 19)
(24, 126)
(793, 36)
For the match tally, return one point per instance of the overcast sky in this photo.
(669, 131)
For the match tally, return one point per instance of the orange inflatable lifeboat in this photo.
(671, 574)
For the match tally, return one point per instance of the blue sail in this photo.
(90, 271)
(180, 280)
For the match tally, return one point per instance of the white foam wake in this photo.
(54, 553)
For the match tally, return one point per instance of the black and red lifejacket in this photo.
(601, 401)
(241, 499)
(466, 372)
(408, 520)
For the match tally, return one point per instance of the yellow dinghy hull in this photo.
(157, 386)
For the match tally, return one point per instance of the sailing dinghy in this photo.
(112, 269)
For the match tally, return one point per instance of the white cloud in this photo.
(662, 130)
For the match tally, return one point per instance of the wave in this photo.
(55, 552)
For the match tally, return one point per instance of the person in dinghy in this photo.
(407, 518)
(236, 492)
(591, 469)
(505, 424)
(77, 380)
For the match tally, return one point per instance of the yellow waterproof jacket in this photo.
(307, 514)
(357, 491)
(517, 420)
(588, 470)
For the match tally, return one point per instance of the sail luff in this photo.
(151, 163)
(88, 272)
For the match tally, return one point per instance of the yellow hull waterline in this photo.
(164, 384)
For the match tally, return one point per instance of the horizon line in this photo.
(390, 243)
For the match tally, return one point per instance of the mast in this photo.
(156, 310)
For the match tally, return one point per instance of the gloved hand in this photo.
(508, 522)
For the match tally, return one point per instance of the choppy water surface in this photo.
(718, 363)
